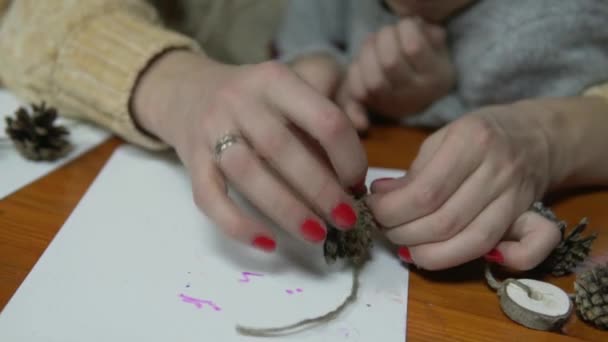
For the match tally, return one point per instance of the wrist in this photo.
(156, 96)
(574, 129)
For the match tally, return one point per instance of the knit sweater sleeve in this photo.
(83, 57)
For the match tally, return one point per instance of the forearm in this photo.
(577, 131)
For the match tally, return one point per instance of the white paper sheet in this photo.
(136, 261)
(17, 171)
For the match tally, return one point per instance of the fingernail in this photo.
(313, 231)
(344, 216)
(264, 243)
(404, 255)
(359, 189)
(494, 256)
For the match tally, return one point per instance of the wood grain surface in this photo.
(451, 305)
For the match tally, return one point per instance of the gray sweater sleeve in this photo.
(311, 26)
(506, 51)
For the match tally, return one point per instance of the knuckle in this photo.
(484, 133)
(272, 71)
(333, 124)
(414, 48)
(428, 197)
(397, 237)
(481, 130)
(445, 226)
(228, 96)
(386, 212)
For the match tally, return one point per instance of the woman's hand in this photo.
(400, 71)
(471, 186)
(192, 102)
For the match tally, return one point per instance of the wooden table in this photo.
(453, 305)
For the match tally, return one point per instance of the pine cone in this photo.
(571, 251)
(34, 135)
(591, 296)
(354, 244)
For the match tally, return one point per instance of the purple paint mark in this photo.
(246, 276)
(199, 302)
(292, 291)
(345, 332)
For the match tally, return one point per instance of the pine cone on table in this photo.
(35, 136)
(571, 251)
(354, 244)
(591, 296)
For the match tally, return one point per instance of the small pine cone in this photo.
(571, 251)
(591, 296)
(34, 135)
(354, 244)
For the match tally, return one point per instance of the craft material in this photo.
(18, 171)
(532, 303)
(591, 295)
(36, 135)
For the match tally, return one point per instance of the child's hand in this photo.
(321, 71)
(399, 71)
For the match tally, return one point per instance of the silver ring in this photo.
(224, 143)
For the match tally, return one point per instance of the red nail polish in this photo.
(494, 256)
(344, 216)
(404, 255)
(359, 189)
(264, 243)
(313, 231)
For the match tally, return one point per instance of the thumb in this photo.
(528, 242)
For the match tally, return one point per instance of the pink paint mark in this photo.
(199, 303)
(246, 276)
(292, 291)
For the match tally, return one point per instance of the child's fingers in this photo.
(371, 69)
(354, 82)
(530, 240)
(415, 45)
(353, 109)
(357, 115)
(394, 63)
(435, 34)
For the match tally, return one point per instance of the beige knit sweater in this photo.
(84, 56)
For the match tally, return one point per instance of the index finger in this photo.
(324, 121)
